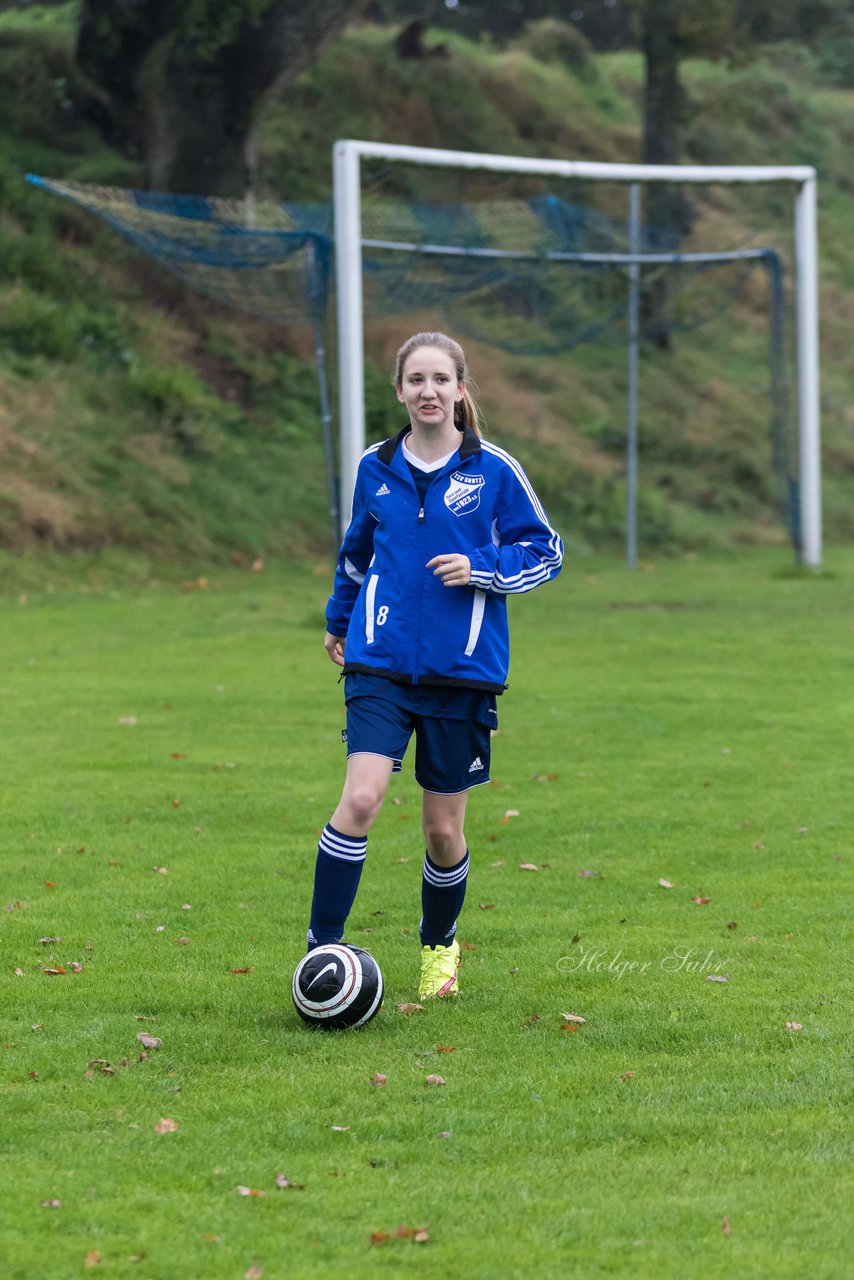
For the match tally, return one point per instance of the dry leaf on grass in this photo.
(378, 1080)
(528, 866)
(573, 1017)
(166, 1126)
(434, 1080)
(701, 902)
(249, 1191)
(92, 1259)
(794, 1026)
(147, 1041)
(665, 884)
(253, 1273)
(409, 1008)
(285, 1184)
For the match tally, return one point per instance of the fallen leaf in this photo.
(468, 946)
(49, 942)
(249, 1191)
(253, 1273)
(409, 1008)
(379, 1237)
(486, 906)
(378, 1080)
(51, 1204)
(568, 1026)
(434, 1080)
(665, 884)
(76, 966)
(182, 942)
(794, 1026)
(725, 1227)
(19, 973)
(446, 1048)
(627, 1075)
(573, 1017)
(166, 1126)
(285, 1184)
(54, 971)
(701, 902)
(161, 871)
(341, 1128)
(511, 813)
(528, 866)
(106, 1068)
(49, 884)
(446, 1133)
(717, 977)
(147, 1041)
(250, 969)
(529, 1022)
(92, 1259)
(419, 1235)
(731, 924)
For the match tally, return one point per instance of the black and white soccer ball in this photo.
(337, 986)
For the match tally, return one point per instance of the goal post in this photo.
(347, 191)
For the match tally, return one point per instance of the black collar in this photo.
(469, 445)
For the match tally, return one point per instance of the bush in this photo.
(549, 40)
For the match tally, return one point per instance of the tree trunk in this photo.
(189, 101)
(668, 210)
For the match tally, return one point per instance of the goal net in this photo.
(572, 260)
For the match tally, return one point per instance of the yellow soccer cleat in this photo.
(439, 967)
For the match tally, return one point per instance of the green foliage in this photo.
(190, 422)
(550, 40)
(213, 24)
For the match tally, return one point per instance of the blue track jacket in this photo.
(399, 620)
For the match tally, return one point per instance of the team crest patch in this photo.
(463, 493)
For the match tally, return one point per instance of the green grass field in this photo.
(168, 760)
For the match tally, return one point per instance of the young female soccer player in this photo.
(445, 526)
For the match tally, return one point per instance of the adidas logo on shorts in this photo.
(383, 491)
(475, 765)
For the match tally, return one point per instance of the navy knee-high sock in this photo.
(337, 873)
(443, 890)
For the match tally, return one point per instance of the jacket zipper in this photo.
(417, 670)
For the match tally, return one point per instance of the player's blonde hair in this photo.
(466, 412)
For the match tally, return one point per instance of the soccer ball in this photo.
(337, 986)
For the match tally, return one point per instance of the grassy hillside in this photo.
(137, 414)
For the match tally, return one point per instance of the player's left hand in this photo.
(454, 570)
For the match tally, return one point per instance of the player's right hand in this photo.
(334, 646)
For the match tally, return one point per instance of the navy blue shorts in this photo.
(450, 755)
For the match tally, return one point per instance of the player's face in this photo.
(429, 388)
